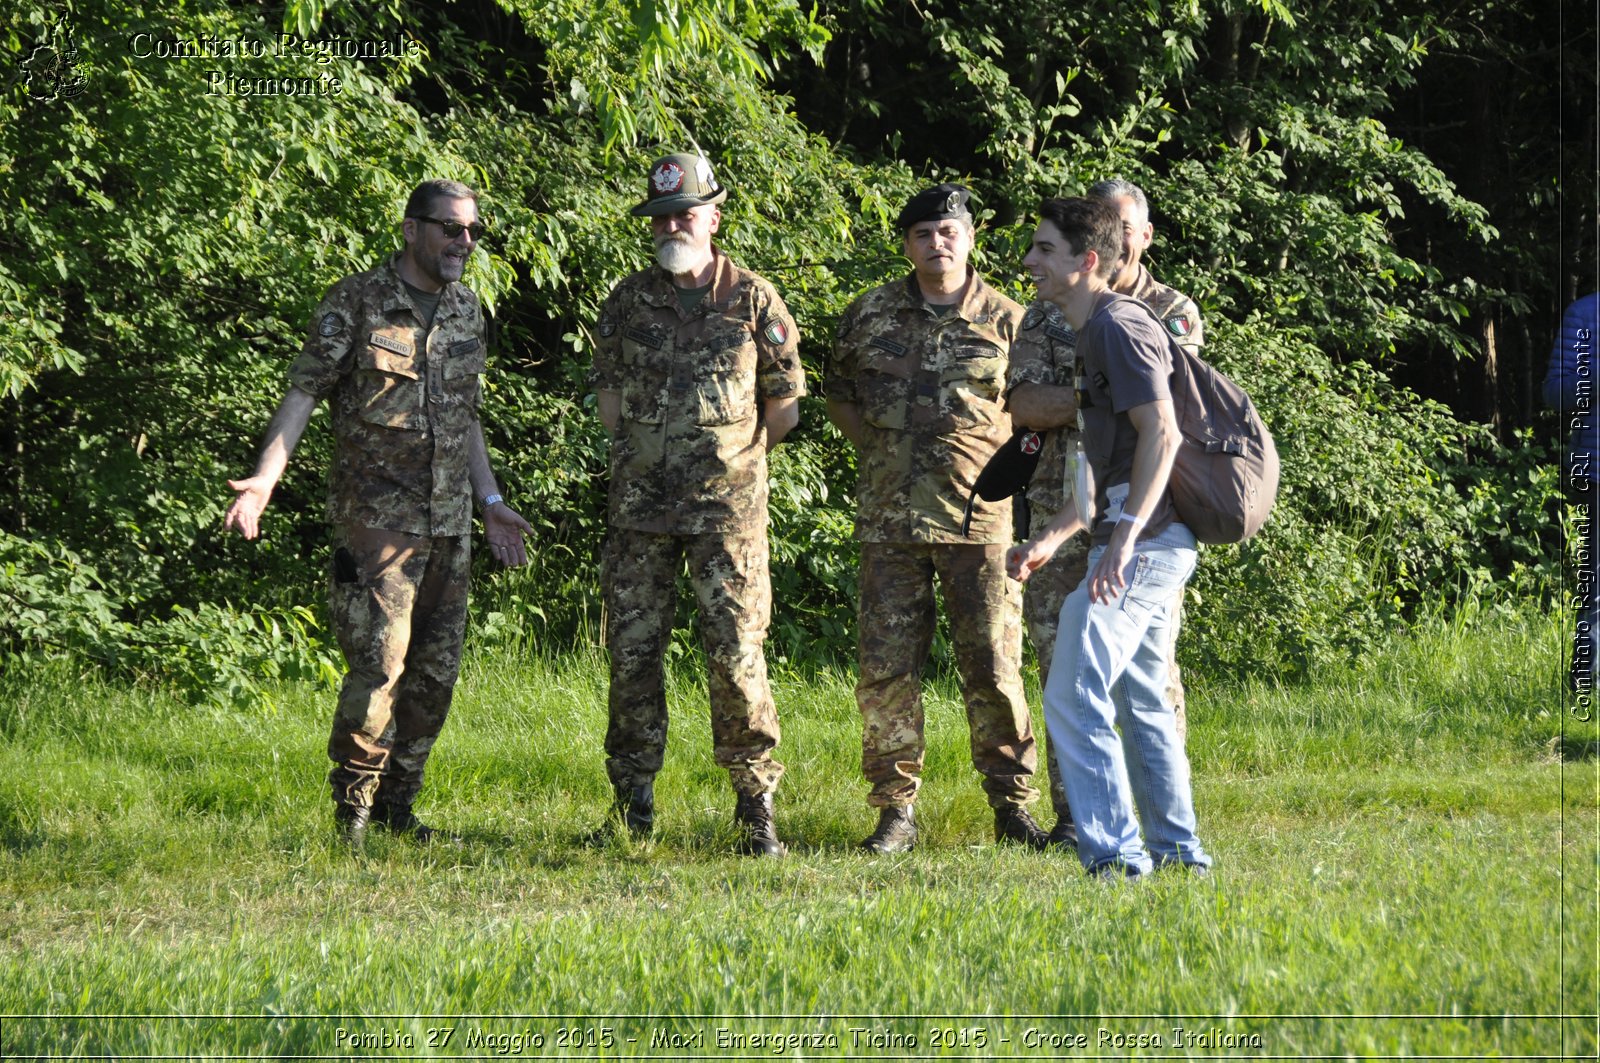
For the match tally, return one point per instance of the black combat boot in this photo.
(757, 835)
(1013, 824)
(896, 833)
(634, 807)
(351, 823)
(1064, 835)
(399, 819)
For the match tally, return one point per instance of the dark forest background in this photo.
(1381, 208)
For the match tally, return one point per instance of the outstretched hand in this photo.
(504, 528)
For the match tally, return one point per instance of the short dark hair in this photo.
(423, 197)
(1087, 224)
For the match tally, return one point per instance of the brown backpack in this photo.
(1225, 478)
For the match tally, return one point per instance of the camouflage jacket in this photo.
(1045, 352)
(930, 391)
(689, 453)
(403, 397)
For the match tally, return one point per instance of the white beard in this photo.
(679, 256)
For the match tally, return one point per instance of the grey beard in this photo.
(676, 257)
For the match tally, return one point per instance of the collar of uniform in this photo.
(1143, 284)
(397, 298)
(660, 291)
(975, 306)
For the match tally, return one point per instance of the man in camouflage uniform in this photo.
(697, 373)
(916, 383)
(398, 351)
(1041, 395)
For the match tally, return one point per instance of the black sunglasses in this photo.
(453, 229)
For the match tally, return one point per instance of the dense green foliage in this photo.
(1407, 837)
(164, 246)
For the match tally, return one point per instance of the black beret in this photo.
(1007, 472)
(935, 204)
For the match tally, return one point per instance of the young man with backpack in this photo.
(1041, 396)
(1109, 666)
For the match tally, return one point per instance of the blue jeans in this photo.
(1110, 667)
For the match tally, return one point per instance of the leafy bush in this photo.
(165, 247)
(53, 605)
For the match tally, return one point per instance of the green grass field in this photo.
(1407, 858)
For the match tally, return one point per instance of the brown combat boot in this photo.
(1012, 823)
(757, 834)
(896, 833)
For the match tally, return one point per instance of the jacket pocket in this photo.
(644, 381)
(973, 386)
(389, 383)
(725, 385)
(464, 363)
(885, 385)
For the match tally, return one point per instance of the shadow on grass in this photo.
(1575, 747)
(18, 839)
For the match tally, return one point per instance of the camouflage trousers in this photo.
(896, 620)
(1046, 592)
(728, 571)
(399, 608)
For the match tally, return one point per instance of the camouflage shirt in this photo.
(689, 454)
(930, 391)
(404, 399)
(1045, 352)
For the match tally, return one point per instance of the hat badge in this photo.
(667, 178)
(952, 202)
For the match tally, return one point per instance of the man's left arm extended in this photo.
(1153, 456)
(502, 525)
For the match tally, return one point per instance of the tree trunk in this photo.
(1490, 404)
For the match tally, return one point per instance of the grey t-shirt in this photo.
(1125, 362)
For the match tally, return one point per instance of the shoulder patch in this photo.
(1178, 325)
(331, 325)
(608, 329)
(776, 332)
(1032, 318)
(1064, 335)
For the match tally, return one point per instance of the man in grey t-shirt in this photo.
(1109, 667)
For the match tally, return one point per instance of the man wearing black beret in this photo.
(916, 382)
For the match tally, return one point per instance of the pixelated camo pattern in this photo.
(930, 388)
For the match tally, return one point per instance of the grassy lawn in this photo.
(1407, 857)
